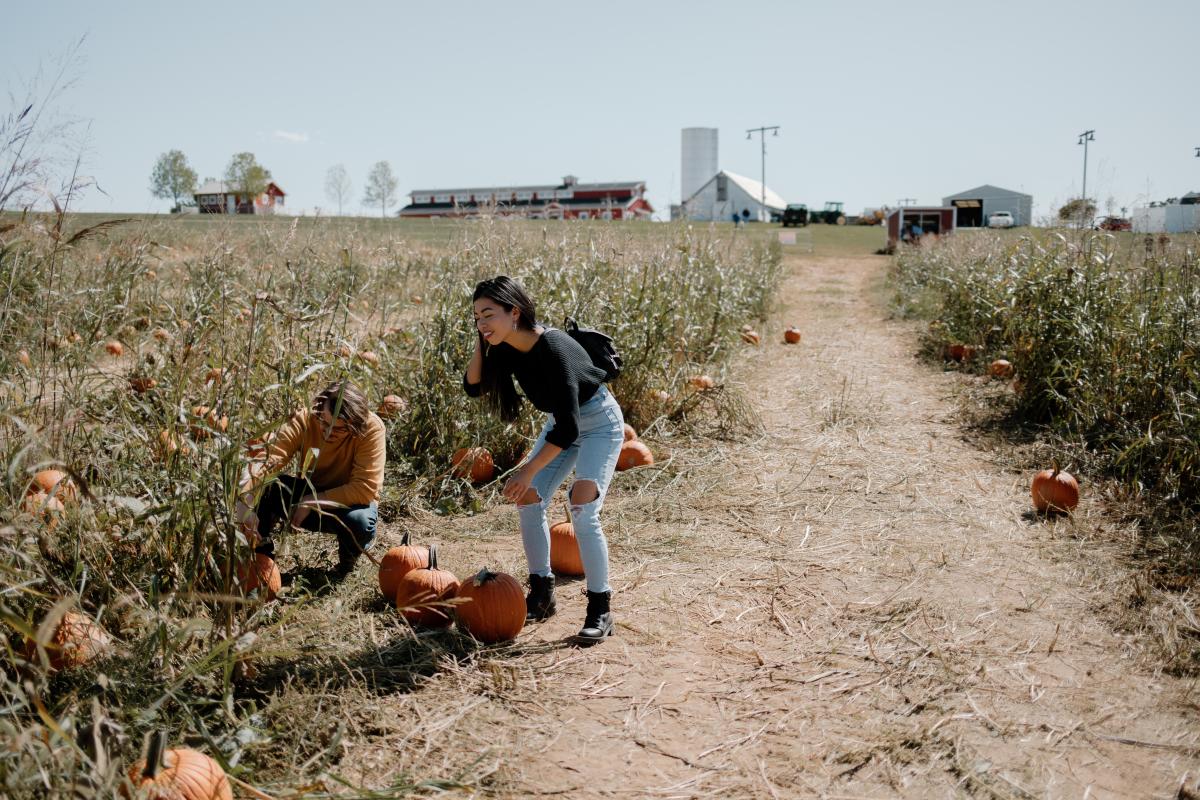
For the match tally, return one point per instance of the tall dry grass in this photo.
(250, 320)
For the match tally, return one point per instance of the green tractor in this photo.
(830, 215)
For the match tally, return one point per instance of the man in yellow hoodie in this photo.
(341, 445)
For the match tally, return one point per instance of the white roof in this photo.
(749, 186)
(212, 187)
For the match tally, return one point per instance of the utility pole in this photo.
(1084, 138)
(907, 201)
(762, 134)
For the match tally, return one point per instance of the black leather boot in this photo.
(598, 623)
(539, 603)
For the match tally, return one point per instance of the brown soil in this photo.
(858, 604)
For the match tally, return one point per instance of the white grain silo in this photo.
(699, 159)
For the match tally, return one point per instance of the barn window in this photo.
(722, 188)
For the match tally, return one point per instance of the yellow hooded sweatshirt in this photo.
(349, 469)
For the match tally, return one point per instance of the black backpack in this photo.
(599, 347)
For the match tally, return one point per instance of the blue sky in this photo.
(876, 100)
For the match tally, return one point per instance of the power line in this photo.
(762, 134)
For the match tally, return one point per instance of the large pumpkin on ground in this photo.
(398, 562)
(1001, 368)
(1054, 490)
(76, 641)
(494, 606)
(474, 463)
(53, 482)
(791, 335)
(177, 774)
(261, 573)
(629, 432)
(420, 587)
(392, 406)
(564, 550)
(634, 454)
(44, 506)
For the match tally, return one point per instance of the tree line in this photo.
(173, 179)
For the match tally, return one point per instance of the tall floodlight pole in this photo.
(762, 135)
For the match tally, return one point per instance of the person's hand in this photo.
(303, 509)
(517, 485)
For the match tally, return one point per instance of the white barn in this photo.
(727, 194)
(974, 206)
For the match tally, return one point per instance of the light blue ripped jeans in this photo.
(594, 458)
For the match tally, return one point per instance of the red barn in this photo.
(568, 200)
(217, 197)
(903, 222)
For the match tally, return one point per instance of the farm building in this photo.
(568, 200)
(974, 205)
(1173, 216)
(904, 222)
(216, 197)
(726, 196)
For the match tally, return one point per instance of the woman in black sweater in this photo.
(583, 431)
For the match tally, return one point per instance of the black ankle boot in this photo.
(539, 603)
(598, 623)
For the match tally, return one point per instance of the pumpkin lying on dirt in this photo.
(474, 463)
(422, 587)
(398, 562)
(494, 606)
(1054, 491)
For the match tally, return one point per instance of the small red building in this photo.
(568, 200)
(215, 197)
(907, 222)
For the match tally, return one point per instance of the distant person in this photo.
(917, 232)
(341, 446)
(583, 432)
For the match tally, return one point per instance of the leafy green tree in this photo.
(1079, 210)
(246, 176)
(381, 187)
(172, 177)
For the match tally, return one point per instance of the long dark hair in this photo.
(497, 385)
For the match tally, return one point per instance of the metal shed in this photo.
(974, 205)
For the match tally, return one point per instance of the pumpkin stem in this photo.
(483, 576)
(433, 556)
(1054, 463)
(156, 747)
(404, 539)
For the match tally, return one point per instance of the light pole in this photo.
(1084, 138)
(762, 134)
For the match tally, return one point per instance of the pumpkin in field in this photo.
(114, 347)
(215, 375)
(76, 640)
(968, 352)
(701, 382)
(1054, 490)
(53, 482)
(423, 586)
(141, 384)
(369, 357)
(634, 454)
(23, 357)
(177, 774)
(954, 352)
(661, 396)
(1000, 368)
(564, 550)
(751, 337)
(207, 422)
(791, 335)
(494, 606)
(261, 573)
(43, 506)
(161, 334)
(474, 463)
(171, 444)
(397, 562)
(392, 406)
(629, 433)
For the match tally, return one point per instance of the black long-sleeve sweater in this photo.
(556, 375)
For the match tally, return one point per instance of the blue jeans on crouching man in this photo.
(354, 526)
(593, 456)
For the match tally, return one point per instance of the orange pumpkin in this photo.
(968, 352)
(141, 384)
(344, 351)
(44, 506)
(260, 573)
(177, 774)
(75, 642)
(215, 375)
(474, 463)
(629, 432)
(1000, 368)
(701, 382)
(170, 444)
(369, 357)
(398, 562)
(23, 357)
(420, 588)
(954, 352)
(53, 482)
(114, 348)
(208, 422)
(564, 550)
(494, 606)
(161, 334)
(393, 405)
(791, 335)
(751, 337)
(634, 454)
(1054, 490)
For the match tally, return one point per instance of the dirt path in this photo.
(855, 606)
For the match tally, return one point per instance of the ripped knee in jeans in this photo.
(530, 498)
(584, 492)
